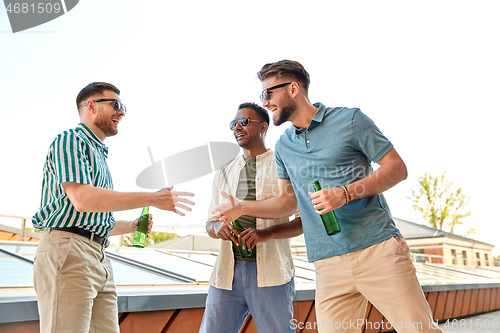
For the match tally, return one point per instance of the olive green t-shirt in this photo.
(246, 191)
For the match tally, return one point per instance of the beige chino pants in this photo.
(382, 274)
(74, 284)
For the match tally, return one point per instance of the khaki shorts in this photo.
(74, 284)
(382, 274)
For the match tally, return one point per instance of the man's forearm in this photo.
(86, 198)
(272, 208)
(391, 172)
(122, 227)
(286, 230)
(95, 199)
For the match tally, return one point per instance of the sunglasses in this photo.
(243, 121)
(265, 96)
(117, 105)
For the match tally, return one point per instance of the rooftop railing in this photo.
(23, 219)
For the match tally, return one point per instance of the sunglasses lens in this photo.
(232, 124)
(117, 105)
(244, 121)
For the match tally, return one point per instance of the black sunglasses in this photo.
(265, 96)
(243, 121)
(117, 105)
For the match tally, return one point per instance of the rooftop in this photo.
(411, 230)
(158, 279)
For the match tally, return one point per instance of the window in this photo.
(418, 255)
(464, 257)
(478, 259)
(486, 259)
(454, 257)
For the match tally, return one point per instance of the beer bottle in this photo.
(329, 219)
(245, 253)
(141, 230)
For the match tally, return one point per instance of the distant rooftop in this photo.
(411, 230)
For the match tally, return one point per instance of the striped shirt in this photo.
(76, 156)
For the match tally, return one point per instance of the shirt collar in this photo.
(319, 115)
(86, 132)
(242, 162)
(316, 119)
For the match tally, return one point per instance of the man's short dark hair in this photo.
(92, 89)
(285, 69)
(263, 114)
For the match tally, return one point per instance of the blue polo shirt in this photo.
(336, 148)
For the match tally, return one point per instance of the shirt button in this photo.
(307, 141)
(307, 132)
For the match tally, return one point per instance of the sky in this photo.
(426, 72)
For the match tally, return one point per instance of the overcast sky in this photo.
(426, 72)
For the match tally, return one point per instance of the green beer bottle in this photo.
(141, 230)
(329, 219)
(245, 253)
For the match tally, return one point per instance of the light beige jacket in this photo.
(274, 258)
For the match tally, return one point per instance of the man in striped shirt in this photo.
(72, 276)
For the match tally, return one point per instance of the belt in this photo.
(87, 234)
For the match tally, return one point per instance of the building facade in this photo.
(435, 246)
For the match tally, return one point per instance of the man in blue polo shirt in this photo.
(369, 259)
(73, 278)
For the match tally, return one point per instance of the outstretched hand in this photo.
(173, 200)
(229, 210)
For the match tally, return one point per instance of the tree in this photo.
(153, 238)
(439, 203)
(34, 230)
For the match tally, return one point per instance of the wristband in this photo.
(347, 196)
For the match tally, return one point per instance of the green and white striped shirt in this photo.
(74, 156)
